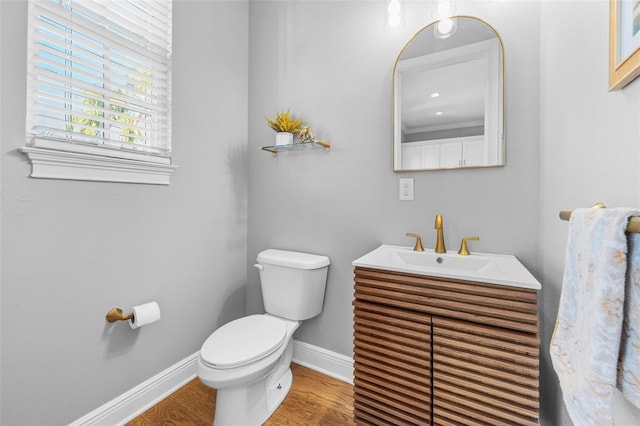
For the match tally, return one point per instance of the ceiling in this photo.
(460, 83)
(462, 89)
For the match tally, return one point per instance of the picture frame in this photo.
(624, 42)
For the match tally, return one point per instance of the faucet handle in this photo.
(464, 250)
(418, 246)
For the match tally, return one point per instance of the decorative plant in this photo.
(284, 122)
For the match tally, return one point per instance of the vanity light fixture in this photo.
(434, 95)
(443, 11)
(394, 15)
(440, 113)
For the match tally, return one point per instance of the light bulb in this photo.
(444, 9)
(394, 21)
(445, 28)
(393, 15)
(445, 25)
(394, 7)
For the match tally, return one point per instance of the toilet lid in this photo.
(244, 340)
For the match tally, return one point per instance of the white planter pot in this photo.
(284, 138)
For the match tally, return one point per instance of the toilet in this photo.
(248, 360)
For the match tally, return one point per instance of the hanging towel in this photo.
(629, 364)
(585, 345)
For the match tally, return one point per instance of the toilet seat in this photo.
(243, 341)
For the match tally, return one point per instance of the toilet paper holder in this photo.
(116, 314)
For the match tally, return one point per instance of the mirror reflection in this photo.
(449, 99)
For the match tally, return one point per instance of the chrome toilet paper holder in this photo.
(116, 314)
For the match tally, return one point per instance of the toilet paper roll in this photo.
(145, 314)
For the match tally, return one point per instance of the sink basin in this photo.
(448, 261)
(482, 267)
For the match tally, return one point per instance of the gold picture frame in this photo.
(623, 68)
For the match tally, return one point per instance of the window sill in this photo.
(53, 164)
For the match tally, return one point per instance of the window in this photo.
(99, 90)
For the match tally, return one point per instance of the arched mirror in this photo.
(448, 99)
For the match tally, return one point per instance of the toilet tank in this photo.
(292, 283)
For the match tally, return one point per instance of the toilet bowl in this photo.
(248, 360)
(252, 373)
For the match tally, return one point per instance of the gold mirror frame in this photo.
(498, 153)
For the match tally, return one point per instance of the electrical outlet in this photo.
(406, 189)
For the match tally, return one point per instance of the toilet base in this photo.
(277, 392)
(252, 405)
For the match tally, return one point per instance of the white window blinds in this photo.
(100, 77)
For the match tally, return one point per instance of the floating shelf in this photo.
(275, 149)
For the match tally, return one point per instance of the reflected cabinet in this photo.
(444, 154)
(429, 351)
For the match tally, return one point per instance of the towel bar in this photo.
(632, 226)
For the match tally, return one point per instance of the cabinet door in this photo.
(473, 152)
(483, 375)
(420, 155)
(484, 351)
(411, 156)
(392, 366)
(450, 155)
(430, 156)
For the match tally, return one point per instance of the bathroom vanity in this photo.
(444, 342)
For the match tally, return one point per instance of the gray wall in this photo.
(72, 250)
(590, 150)
(332, 63)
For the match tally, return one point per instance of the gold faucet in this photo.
(418, 246)
(440, 248)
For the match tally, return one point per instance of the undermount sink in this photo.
(483, 267)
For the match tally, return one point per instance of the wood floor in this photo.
(314, 399)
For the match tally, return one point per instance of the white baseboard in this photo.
(324, 361)
(134, 402)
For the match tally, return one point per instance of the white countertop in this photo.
(489, 268)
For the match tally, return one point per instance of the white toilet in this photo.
(248, 360)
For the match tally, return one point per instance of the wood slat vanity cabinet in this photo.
(431, 351)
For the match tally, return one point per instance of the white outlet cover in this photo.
(406, 189)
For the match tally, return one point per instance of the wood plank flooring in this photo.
(314, 400)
